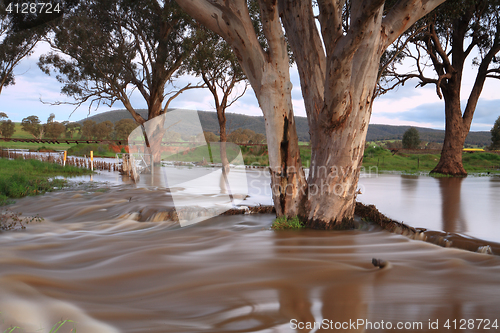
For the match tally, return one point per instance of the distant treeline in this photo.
(236, 121)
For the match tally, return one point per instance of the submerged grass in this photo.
(14, 221)
(20, 178)
(284, 223)
(54, 329)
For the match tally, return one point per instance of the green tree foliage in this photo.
(106, 49)
(54, 129)
(103, 130)
(31, 124)
(16, 43)
(214, 61)
(3, 116)
(207, 136)
(258, 138)
(72, 129)
(88, 129)
(495, 135)
(7, 128)
(245, 136)
(124, 127)
(411, 138)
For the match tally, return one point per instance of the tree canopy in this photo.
(31, 124)
(16, 43)
(495, 135)
(116, 46)
(338, 61)
(411, 138)
(439, 46)
(7, 127)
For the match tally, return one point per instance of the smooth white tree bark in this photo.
(338, 70)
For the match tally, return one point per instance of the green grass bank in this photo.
(20, 178)
(385, 160)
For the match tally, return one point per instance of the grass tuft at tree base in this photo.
(284, 223)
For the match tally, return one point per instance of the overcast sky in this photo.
(406, 106)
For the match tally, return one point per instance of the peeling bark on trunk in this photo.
(338, 153)
(338, 92)
(288, 182)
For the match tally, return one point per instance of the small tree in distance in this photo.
(32, 125)
(7, 127)
(103, 130)
(88, 129)
(495, 135)
(53, 129)
(411, 139)
(72, 129)
(124, 127)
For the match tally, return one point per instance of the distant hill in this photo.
(234, 121)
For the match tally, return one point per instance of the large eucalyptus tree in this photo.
(214, 61)
(338, 67)
(104, 50)
(440, 46)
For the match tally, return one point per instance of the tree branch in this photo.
(403, 15)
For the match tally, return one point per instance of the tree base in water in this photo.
(345, 224)
(450, 164)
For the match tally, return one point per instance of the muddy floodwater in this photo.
(93, 261)
(469, 206)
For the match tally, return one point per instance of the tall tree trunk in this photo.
(268, 73)
(221, 116)
(288, 182)
(337, 84)
(338, 90)
(450, 162)
(153, 134)
(338, 151)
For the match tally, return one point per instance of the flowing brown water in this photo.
(91, 261)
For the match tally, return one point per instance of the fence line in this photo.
(80, 162)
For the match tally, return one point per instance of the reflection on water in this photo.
(453, 219)
(464, 205)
